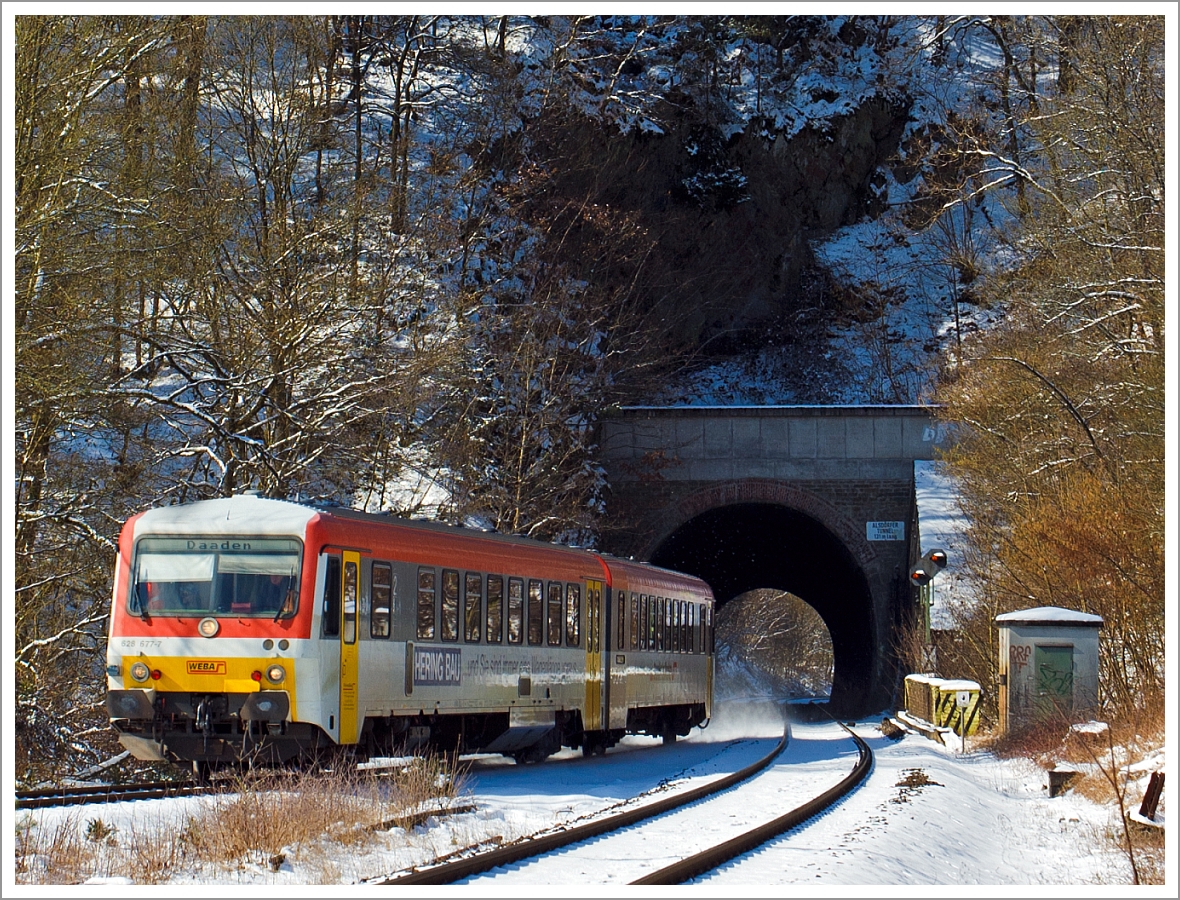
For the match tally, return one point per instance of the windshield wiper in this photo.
(287, 607)
(138, 608)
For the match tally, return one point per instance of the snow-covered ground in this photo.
(927, 815)
(941, 524)
(930, 815)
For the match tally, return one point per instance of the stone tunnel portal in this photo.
(745, 546)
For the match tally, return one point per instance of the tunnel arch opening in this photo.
(771, 638)
(743, 547)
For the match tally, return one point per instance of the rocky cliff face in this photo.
(733, 218)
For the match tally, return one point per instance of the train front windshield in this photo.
(225, 576)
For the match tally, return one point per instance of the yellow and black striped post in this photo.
(962, 720)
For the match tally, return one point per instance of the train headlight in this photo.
(208, 627)
(276, 674)
(140, 671)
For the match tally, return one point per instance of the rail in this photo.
(106, 793)
(455, 870)
(706, 860)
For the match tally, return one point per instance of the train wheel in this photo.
(534, 754)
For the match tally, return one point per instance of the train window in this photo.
(596, 631)
(515, 610)
(649, 612)
(675, 617)
(553, 615)
(573, 615)
(381, 591)
(634, 621)
(495, 609)
(634, 612)
(258, 577)
(662, 625)
(690, 627)
(644, 612)
(536, 613)
(330, 614)
(426, 579)
(472, 595)
(351, 579)
(449, 624)
(654, 640)
(622, 607)
(592, 623)
(661, 612)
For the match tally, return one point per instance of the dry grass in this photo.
(1035, 742)
(57, 855)
(1102, 758)
(267, 813)
(1150, 852)
(150, 852)
(264, 819)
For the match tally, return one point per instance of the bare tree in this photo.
(781, 635)
(76, 149)
(1063, 450)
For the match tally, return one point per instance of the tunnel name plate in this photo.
(885, 531)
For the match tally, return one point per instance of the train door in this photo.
(592, 710)
(616, 659)
(330, 647)
(707, 644)
(349, 648)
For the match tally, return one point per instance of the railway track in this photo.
(460, 867)
(465, 863)
(107, 793)
(699, 863)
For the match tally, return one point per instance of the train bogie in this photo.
(248, 628)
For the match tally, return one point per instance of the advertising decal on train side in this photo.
(436, 666)
(484, 666)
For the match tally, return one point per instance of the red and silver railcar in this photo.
(256, 628)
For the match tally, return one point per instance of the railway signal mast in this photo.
(921, 575)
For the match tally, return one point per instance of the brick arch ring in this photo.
(762, 490)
